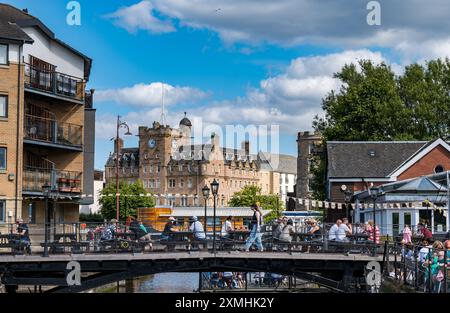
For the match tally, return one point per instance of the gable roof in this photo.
(418, 155)
(374, 159)
(17, 18)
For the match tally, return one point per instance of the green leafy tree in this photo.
(132, 196)
(252, 194)
(375, 104)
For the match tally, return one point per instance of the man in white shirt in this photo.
(332, 234)
(197, 229)
(342, 232)
(227, 227)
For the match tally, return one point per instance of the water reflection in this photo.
(167, 282)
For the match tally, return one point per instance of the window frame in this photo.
(6, 105)
(3, 209)
(6, 159)
(7, 54)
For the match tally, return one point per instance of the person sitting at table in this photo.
(169, 229)
(343, 231)
(278, 227)
(24, 235)
(424, 232)
(143, 235)
(371, 229)
(332, 234)
(198, 231)
(287, 232)
(227, 227)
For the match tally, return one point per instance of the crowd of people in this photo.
(427, 263)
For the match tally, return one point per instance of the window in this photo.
(184, 201)
(144, 169)
(2, 211)
(439, 169)
(4, 59)
(159, 168)
(2, 158)
(172, 183)
(310, 185)
(180, 167)
(311, 147)
(3, 106)
(181, 183)
(190, 183)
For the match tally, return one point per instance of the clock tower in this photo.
(156, 147)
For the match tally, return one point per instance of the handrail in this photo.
(52, 130)
(55, 82)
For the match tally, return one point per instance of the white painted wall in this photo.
(288, 186)
(95, 207)
(52, 52)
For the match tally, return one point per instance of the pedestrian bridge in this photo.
(336, 271)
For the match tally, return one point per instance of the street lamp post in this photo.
(374, 196)
(46, 191)
(119, 125)
(347, 199)
(215, 190)
(205, 192)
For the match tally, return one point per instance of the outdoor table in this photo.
(358, 237)
(239, 235)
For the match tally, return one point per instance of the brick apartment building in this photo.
(175, 170)
(47, 122)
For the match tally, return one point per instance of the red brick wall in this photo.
(426, 165)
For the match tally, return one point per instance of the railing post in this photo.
(55, 131)
(430, 255)
(445, 271)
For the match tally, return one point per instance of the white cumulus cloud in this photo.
(150, 95)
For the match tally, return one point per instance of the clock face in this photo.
(152, 143)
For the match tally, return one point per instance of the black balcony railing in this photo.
(61, 181)
(52, 131)
(55, 83)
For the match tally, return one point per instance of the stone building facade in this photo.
(175, 170)
(308, 147)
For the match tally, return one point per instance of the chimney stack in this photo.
(246, 147)
(120, 145)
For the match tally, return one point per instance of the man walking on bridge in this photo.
(255, 234)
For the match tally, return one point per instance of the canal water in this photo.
(159, 283)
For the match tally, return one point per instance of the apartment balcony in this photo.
(52, 133)
(55, 84)
(62, 182)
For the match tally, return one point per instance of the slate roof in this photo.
(281, 163)
(375, 159)
(128, 156)
(8, 29)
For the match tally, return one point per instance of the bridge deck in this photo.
(187, 255)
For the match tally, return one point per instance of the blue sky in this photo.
(234, 62)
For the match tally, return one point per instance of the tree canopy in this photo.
(132, 196)
(252, 194)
